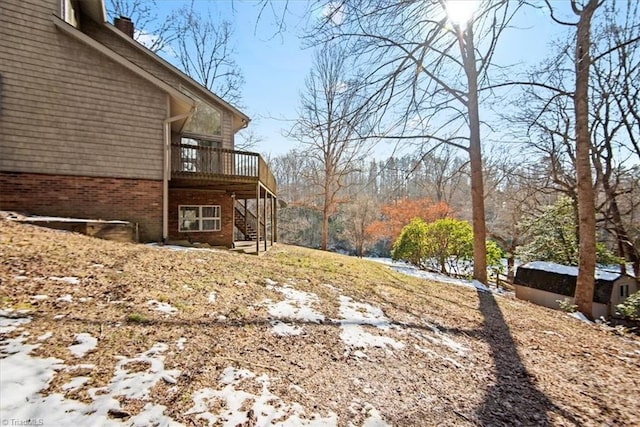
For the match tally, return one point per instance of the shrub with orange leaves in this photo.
(394, 216)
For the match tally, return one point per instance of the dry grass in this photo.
(523, 365)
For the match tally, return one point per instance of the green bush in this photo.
(411, 244)
(552, 237)
(445, 242)
(566, 305)
(630, 308)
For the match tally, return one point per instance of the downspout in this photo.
(166, 172)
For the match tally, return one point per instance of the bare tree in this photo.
(330, 127)
(198, 43)
(357, 215)
(615, 124)
(586, 197)
(205, 52)
(152, 31)
(427, 74)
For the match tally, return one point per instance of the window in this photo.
(69, 12)
(206, 120)
(197, 155)
(199, 218)
(624, 291)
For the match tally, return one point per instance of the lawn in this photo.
(103, 333)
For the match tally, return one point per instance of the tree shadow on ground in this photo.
(514, 399)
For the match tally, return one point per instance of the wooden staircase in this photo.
(246, 225)
(247, 229)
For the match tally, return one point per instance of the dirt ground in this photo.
(454, 356)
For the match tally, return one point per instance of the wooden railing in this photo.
(212, 162)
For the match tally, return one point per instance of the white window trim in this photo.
(68, 12)
(200, 219)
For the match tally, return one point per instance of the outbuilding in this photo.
(545, 283)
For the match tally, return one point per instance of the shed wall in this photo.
(550, 300)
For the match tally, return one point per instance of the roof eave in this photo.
(239, 116)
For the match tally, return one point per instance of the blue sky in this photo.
(275, 64)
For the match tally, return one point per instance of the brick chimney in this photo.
(124, 24)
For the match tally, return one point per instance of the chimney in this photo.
(124, 24)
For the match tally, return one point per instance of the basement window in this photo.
(199, 218)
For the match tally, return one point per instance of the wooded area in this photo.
(573, 132)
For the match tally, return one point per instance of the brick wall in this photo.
(134, 200)
(181, 196)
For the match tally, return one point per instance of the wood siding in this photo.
(162, 71)
(67, 109)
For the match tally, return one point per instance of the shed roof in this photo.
(570, 270)
(561, 279)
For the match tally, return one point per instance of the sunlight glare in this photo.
(461, 11)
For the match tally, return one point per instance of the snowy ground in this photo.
(411, 270)
(25, 377)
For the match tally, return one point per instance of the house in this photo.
(94, 125)
(544, 283)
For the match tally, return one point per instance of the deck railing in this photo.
(209, 162)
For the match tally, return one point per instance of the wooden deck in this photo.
(239, 171)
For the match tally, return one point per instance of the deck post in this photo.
(246, 222)
(264, 218)
(233, 220)
(258, 218)
(273, 228)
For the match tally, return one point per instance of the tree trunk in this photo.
(325, 227)
(511, 260)
(475, 157)
(586, 202)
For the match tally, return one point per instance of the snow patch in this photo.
(69, 279)
(297, 305)
(212, 297)
(9, 322)
(82, 344)
(75, 383)
(580, 316)
(355, 316)
(441, 339)
(374, 418)
(137, 384)
(24, 377)
(410, 270)
(282, 329)
(65, 298)
(45, 336)
(230, 405)
(162, 307)
(180, 343)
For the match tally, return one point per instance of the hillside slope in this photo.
(102, 333)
